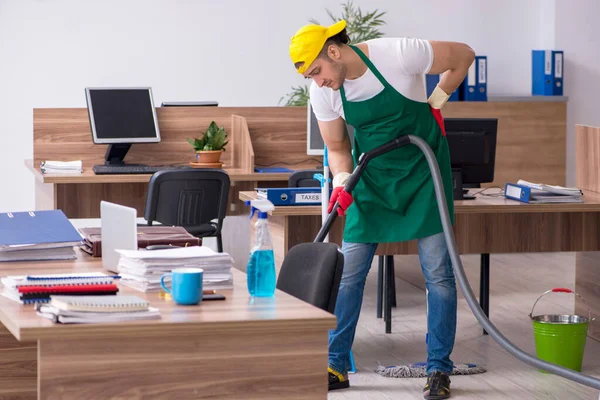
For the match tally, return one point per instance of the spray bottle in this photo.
(261, 263)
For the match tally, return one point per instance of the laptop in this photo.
(118, 231)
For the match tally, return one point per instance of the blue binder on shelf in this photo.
(431, 82)
(292, 196)
(547, 71)
(46, 227)
(474, 86)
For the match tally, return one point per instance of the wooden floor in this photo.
(516, 282)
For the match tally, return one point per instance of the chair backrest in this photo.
(188, 197)
(312, 272)
(304, 178)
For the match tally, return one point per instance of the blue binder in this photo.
(431, 82)
(294, 196)
(474, 86)
(547, 71)
(37, 227)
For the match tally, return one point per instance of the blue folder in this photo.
(474, 86)
(37, 227)
(547, 71)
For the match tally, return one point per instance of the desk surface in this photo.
(88, 176)
(238, 312)
(482, 204)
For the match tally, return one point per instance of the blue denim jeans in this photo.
(441, 302)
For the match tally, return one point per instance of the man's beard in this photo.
(340, 75)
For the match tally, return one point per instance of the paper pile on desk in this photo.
(142, 269)
(37, 235)
(96, 309)
(61, 167)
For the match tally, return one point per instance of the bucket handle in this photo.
(561, 290)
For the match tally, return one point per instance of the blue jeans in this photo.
(441, 301)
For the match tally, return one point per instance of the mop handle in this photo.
(355, 177)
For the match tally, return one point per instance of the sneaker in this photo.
(437, 387)
(337, 380)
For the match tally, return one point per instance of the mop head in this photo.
(417, 370)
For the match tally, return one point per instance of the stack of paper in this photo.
(142, 269)
(30, 289)
(61, 167)
(96, 309)
(37, 235)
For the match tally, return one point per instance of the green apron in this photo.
(394, 200)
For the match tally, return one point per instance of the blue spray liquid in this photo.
(261, 273)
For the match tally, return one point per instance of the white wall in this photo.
(50, 50)
(577, 34)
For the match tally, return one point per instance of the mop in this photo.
(419, 369)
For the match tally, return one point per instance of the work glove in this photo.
(338, 194)
(436, 101)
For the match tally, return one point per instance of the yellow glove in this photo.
(438, 98)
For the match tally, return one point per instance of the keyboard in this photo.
(133, 169)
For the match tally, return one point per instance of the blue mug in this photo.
(186, 285)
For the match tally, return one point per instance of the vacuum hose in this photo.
(468, 292)
(456, 261)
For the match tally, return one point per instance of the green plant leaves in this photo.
(213, 139)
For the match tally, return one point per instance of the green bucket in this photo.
(560, 339)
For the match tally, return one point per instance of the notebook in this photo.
(102, 304)
(39, 288)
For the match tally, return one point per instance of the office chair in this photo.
(191, 198)
(304, 178)
(312, 272)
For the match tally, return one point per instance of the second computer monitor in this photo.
(472, 143)
(314, 141)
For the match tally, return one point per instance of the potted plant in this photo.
(210, 145)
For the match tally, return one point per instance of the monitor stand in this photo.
(461, 190)
(115, 154)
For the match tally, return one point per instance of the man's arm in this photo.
(339, 149)
(452, 60)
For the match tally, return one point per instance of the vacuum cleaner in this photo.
(456, 261)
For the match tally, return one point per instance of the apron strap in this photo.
(371, 66)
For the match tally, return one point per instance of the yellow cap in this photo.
(309, 40)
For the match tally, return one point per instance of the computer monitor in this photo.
(314, 141)
(472, 143)
(120, 117)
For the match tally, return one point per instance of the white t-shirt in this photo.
(403, 62)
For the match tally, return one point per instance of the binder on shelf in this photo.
(292, 196)
(474, 86)
(431, 82)
(547, 71)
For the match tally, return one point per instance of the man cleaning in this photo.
(378, 87)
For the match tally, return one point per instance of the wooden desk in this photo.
(531, 139)
(483, 226)
(79, 195)
(237, 348)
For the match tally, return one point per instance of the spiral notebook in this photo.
(103, 304)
